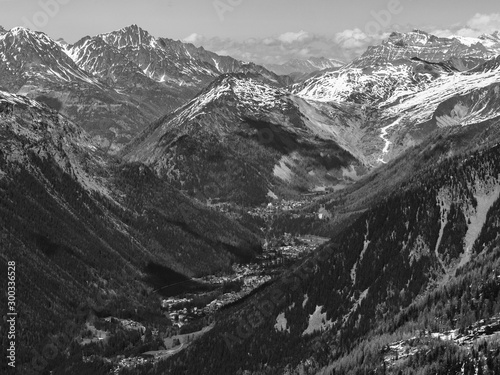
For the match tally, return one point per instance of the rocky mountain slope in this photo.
(400, 100)
(348, 204)
(259, 136)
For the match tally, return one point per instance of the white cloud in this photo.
(305, 52)
(222, 52)
(356, 41)
(442, 33)
(352, 39)
(465, 31)
(270, 41)
(485, 23)
(292, 37)
(274, 49)
(194, 38)
(345, 45)
(478, 25)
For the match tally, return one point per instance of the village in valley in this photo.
(190, 315)
(243, 280)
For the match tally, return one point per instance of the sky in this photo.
(263, 31)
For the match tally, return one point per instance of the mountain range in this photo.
(121, 80)
(135, 169)
(324, 132)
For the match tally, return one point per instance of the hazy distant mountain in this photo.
(310, 65)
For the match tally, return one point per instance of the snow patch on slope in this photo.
(444, 205)
(306, 298)
(317, 322)
(485, 199)
(362, 254)
(282, 170)
(388, 143)
(281, 324)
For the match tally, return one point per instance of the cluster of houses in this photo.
(271, 259)
(179, 312)
(277, 252)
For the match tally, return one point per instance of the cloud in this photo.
(485, 23)
(292, 37)
(352, 39)
(194, 38)
(280, 48)
(345, 45)
(442, 33)
(478, 25)
(356, 41)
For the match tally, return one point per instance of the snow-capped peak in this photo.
(244, 92)
(33, 37)
(129, 36)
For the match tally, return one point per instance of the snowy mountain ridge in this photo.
(114, 84)
(33, 54)
(404, 94)
(430, 48)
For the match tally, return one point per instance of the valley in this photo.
(177, 211)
